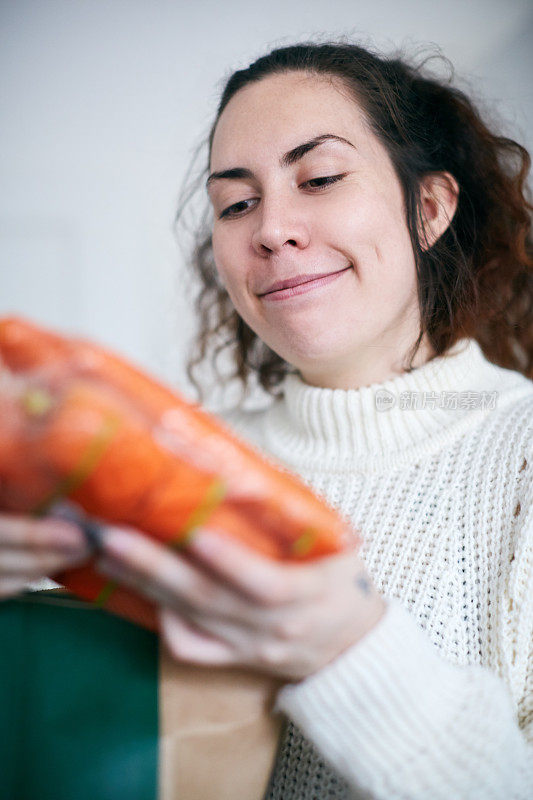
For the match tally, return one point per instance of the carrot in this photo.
(80, 422)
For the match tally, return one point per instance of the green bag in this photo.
(78, 702)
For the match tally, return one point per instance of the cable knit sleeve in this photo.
(397, 720)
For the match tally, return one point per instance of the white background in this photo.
(103, 104)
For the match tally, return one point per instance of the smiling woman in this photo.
(325, 204)
(368, 256)
(323, 156)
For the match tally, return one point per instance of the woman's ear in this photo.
(439, 194)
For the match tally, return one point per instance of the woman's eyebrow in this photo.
(289, 158)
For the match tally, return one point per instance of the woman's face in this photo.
(291, 202)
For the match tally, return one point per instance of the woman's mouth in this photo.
(303, 288)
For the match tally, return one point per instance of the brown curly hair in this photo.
(477, 278)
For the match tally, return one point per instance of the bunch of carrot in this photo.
(79, 422)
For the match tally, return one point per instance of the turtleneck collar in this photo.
(386, 423)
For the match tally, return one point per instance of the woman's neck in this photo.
(372, 364)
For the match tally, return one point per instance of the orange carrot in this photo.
(80, 422)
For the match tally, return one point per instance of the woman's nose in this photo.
(279, 224)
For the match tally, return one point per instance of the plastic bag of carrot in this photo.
(78, 422)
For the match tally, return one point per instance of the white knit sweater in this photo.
(436, 702)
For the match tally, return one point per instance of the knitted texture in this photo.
(301, 774)
(434, 468)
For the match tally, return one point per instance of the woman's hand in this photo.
(228, 605)
(31, 549)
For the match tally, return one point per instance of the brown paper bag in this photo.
(218, 736)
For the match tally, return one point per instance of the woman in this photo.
(402, 356)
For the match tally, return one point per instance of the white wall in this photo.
(102, 105)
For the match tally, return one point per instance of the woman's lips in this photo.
(302, 288)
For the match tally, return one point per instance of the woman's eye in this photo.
(326, 181)
(235, 209)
